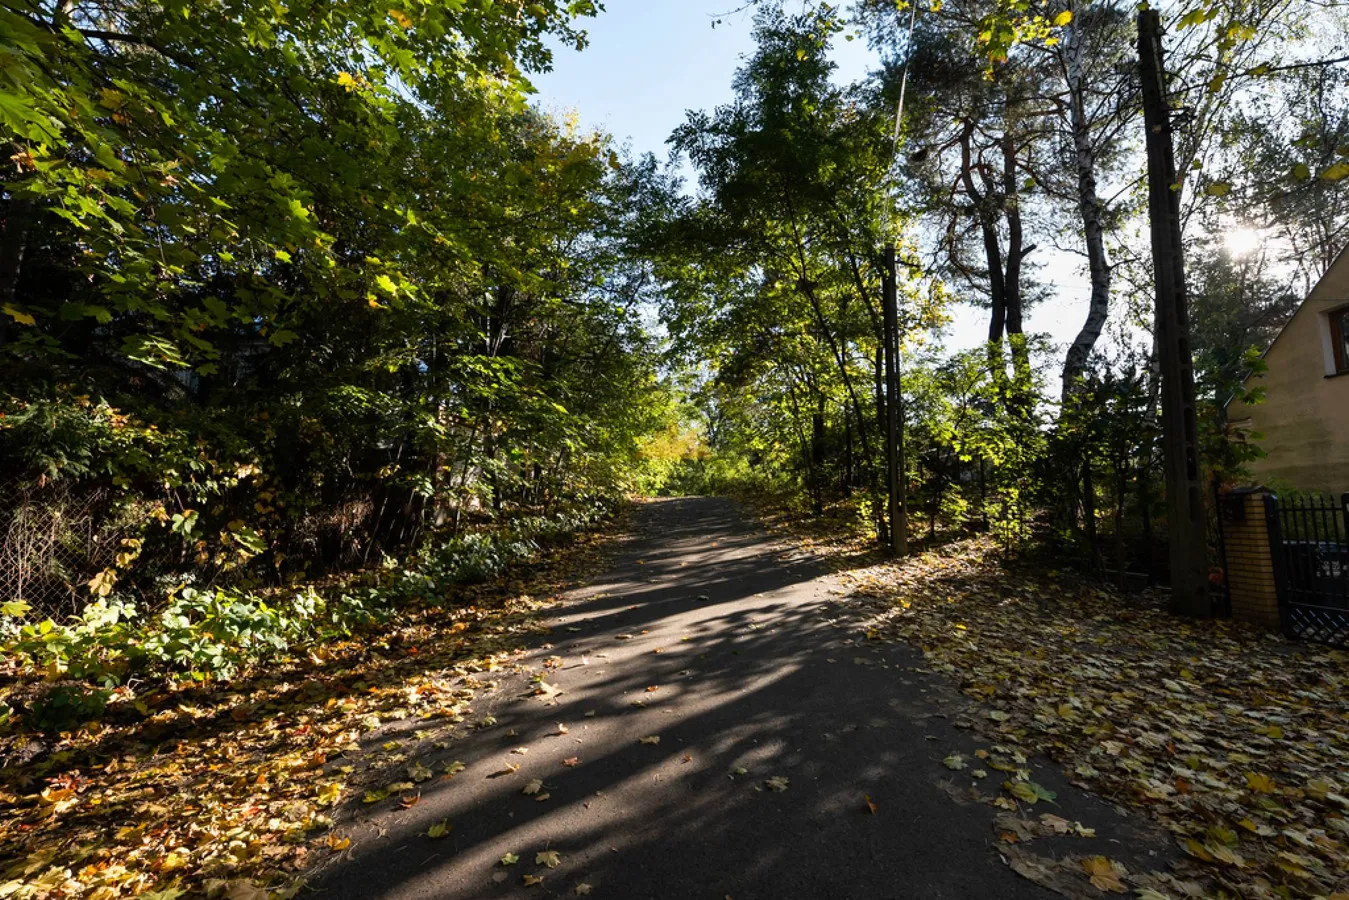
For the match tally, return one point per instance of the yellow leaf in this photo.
(1337, 172)
(338, 843)
(401, 18)
(1261, 784)
(549, 858)
(1063, 18)
(21, 317)
(1104, 874)
(439, 830)
(650, 739)
(510, 859)
(328, 793)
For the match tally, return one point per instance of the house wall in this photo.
(1304, 420)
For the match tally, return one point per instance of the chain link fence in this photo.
(53, 541)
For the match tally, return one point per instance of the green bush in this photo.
(214, 633)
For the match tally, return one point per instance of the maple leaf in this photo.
(954, 761)
(509, 859)
(549, 858)
(439, 830)
(419, 773)
(531, 880)
(777, 783)
(533, 787)
(328, 794)
(583, 890)
(1261, 784)
(650, 739)
(572, 761)
(1104, 874)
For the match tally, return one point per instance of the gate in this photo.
(1310, 547)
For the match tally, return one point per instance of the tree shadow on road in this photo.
(759, 673)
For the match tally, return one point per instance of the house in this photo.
(1303, 422)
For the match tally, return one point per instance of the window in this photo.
(1339, 338)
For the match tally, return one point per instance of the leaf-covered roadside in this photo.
(228, 790)
(1232, 738)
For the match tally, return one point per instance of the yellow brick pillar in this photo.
(1250, 560)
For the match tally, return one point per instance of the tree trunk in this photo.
(1089, 207)
(989, 231)
(13, 244)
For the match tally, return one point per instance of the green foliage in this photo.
(213, 633)
(298, 288)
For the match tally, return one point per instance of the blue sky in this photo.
(650, 61)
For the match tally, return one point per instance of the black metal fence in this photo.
(1310, 546)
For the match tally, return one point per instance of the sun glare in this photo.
(1243, 241)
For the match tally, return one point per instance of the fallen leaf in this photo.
(1104, 874)
(328, 794)
(650, 739)
(549, 858)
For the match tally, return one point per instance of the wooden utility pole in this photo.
(1180, 439)
(894, 410)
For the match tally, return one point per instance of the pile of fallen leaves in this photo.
(229, 790)
(1235, 739)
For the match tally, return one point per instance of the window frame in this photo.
(1339, 339)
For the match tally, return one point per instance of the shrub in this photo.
(213, 633)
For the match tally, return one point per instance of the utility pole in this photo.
(1180, 439)
(894, 410)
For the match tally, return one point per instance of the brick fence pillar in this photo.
(1250, 560)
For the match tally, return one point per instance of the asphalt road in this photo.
(747, 665)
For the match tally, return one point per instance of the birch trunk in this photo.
(1089, 207)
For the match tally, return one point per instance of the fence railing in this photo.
(1310, 544)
